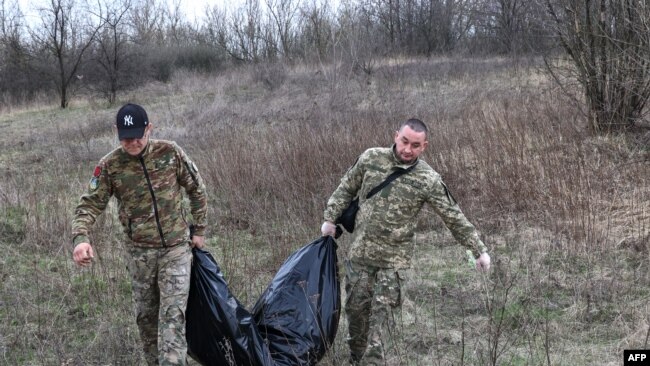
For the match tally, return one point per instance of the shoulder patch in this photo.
(98, 171)
(451, 198)
(94, 184)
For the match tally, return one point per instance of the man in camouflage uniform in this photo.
(146, 177)
(384, 234)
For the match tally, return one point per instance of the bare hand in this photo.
(198, 242)
(328, 229)
(83, 254)
(483, 262)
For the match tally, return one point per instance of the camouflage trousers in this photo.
(161, 282)
(373, 300)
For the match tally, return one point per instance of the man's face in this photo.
(135, 146)
(409, 144)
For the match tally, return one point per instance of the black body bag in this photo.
(218, 329)
(349, 215)
(293, 323)
(298, 313)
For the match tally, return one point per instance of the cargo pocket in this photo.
(387, 288)
(358, 286)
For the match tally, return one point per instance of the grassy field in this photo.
(566, 215)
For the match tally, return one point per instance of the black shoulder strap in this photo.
(389, 179)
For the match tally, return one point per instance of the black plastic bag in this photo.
(299, 311)
(294, 322)
(218, 329)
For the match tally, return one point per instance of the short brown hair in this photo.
(416, 125)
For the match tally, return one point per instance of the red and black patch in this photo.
(97, 172)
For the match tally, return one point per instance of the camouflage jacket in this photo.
(148, 192)
(385, 223)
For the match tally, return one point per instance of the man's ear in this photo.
(149, 129)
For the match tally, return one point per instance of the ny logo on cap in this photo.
(128, 120)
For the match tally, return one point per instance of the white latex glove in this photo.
(328, 229)
(483, 262)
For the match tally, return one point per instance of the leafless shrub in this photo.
(565, 214)
(270, 75)
(606, 44)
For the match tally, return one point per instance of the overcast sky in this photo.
(192, 8)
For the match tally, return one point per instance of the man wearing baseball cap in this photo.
(132, 121)
(146, 177)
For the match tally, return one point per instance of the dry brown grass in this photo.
(566, 215)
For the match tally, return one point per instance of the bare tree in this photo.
(608, 44)
(215, 25)
(9, 18)
(283, 17)
(417, 26)
(239, 33)
(427, 25)
(18, 81)
(112, 44)
(511, 26)
(504, 19)
(361, 37)
(10, 31)
(384, 15)
(66, 33)
(439, 25)
(179, 31)
(388, 15)
(147, 18)
(316, 27)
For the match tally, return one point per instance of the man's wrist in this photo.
(481, 248)
(329, 219)
(199, 230)
(80, 239)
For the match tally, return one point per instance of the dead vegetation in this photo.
(566, 215)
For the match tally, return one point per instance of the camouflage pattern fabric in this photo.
(148, 190)
(161, 282)
(373, 299)
(385, 223)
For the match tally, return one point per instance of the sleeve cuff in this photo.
(480, 249)
(80, 239)
(199, 230)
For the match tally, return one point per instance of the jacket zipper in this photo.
(153, 197)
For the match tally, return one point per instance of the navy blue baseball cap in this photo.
(131, 122)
